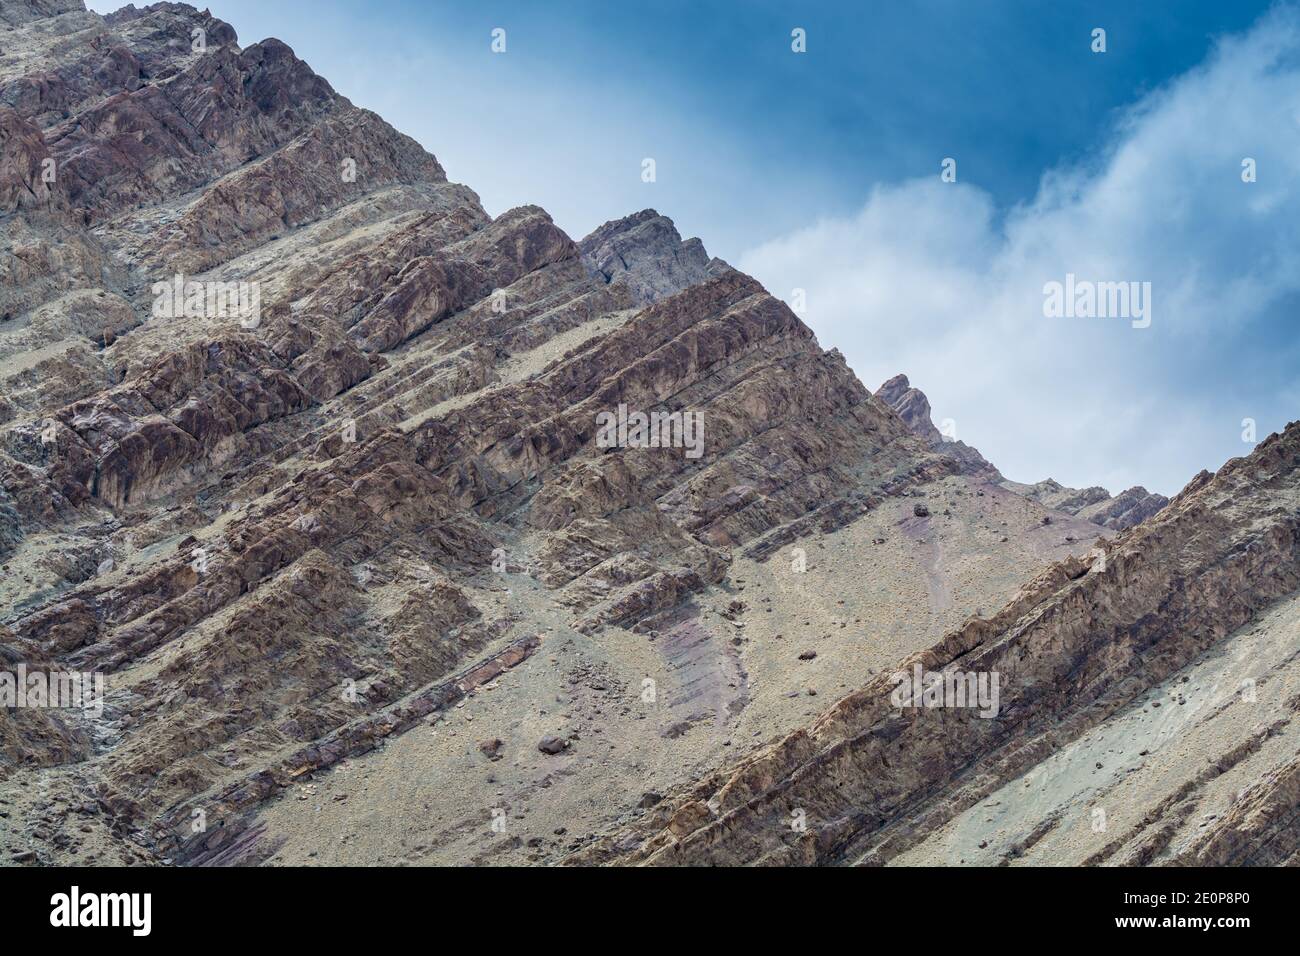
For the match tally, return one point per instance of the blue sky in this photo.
(820, 171)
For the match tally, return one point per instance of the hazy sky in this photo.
(820, 171)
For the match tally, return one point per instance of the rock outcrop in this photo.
(914, 408)
(645, 252)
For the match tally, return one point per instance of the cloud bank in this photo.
(931, 279)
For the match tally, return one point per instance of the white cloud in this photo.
(928, 279)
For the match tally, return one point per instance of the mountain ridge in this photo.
(1093, 504)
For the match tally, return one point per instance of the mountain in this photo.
(1147, 716)
(1090, 504)
(347, 492)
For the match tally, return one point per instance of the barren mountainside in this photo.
(1149, 698)
(365, 584)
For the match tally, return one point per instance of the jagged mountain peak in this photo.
(645, 252)
(913, 407)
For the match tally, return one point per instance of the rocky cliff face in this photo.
(403, 533)
(914, 408)
(1090, 504)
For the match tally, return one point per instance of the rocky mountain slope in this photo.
(363, 572)
(1091, 504)
(1148, 715)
